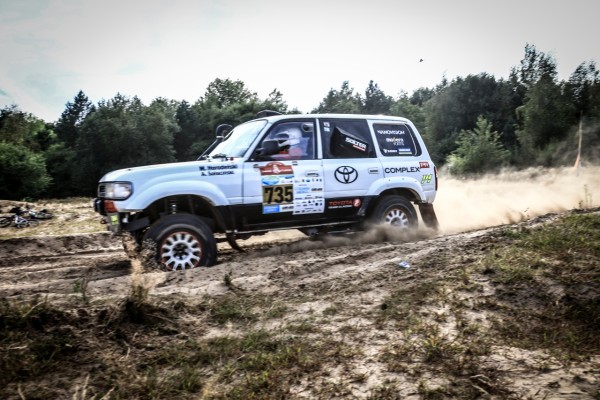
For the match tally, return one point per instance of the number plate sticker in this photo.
(277, 188)
(278, 194)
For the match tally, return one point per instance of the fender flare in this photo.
(381, 185)
(140, 201)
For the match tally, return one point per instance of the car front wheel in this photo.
(183, 241)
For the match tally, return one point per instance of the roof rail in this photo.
(266, 113)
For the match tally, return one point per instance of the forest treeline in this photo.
(471, 124)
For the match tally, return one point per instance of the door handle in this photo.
(312, 174)
(373, 170)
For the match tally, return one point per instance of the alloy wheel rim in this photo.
(181, 250)
(397, 218)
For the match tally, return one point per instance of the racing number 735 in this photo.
(278, 194)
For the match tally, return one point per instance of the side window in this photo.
(345, 138)
(396, 140)
(289, 141)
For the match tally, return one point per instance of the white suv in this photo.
(319, 173)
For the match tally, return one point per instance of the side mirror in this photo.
(269, 147)
(223, 129)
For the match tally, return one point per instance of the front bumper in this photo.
(111, 219)
(120, 221)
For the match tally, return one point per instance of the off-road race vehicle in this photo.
(319, 173)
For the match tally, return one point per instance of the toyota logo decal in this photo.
(346, 174)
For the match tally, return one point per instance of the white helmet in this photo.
(289, 137)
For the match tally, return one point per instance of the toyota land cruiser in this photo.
(319, 173)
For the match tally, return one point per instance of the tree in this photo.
(67, 127)
(376, 101)
(583, 88)
(23, 172)
(227, 102)
(25, 129)
(403, 107)
(61, 163)
(189, 124)
(344, 101)
(479, 150)
(546, 118)
(121, 133)
(275, 102)
(456, 106)
(154, 127)
(225, 92)
(14, 127)
(534, 65)
(421, 96)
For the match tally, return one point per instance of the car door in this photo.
(350, 165)
(286, 186)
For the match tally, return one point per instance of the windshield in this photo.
(239, 140)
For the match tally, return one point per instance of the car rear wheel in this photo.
(395, 211)
(183, 241)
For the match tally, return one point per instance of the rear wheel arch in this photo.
(408, 194)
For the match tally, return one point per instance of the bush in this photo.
(23, 172)
(478, 150)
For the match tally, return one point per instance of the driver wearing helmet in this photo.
(289, 143)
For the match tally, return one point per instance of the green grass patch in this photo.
(549, 278)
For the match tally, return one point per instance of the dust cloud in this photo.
(514, 196)
(468, 204)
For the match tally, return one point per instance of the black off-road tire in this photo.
(183, 241)
(395, 211)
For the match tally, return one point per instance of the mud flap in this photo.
(233, 243)
(428, 216)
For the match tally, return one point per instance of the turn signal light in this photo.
(109, 206)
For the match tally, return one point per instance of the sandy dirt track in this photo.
(342, 285)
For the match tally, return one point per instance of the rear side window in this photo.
(396, 140)
(346, 138)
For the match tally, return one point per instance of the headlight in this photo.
(115, 190)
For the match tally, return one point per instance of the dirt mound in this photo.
(39, 246)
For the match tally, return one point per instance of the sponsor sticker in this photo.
(270, 209)
(345, 174)
(210, 170)
(343, 203)
(270, 180)
(276, 168)
(426, 178)
(402, 170)
(358, 145)
(283, 192)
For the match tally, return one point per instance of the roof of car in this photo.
(274, 118)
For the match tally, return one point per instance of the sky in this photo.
(52, 49)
